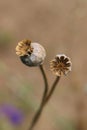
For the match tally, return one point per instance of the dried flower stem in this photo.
(45, 82)
(38, 113)
(52, 89)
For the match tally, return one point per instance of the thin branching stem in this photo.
(38, 113)
(52, 89)
(45, 83)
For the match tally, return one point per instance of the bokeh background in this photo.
(61, 27)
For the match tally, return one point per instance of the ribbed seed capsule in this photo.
(60, 65)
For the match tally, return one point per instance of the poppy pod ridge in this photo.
(60, 65)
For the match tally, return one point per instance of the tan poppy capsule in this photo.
(60, 65)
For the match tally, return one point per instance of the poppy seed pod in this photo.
(60, 65)
(31, 54)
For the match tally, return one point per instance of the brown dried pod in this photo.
(60, 65)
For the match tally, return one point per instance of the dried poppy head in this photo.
(24, 48)
(60, 65)
(31, 54)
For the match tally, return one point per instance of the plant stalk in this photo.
(52, 89)
(38, 113)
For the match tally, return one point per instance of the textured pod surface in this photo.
(31, 54)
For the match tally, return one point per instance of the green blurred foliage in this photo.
(3, 68)
(24, 93)
(65, 124)
(5, 124)
(6, 38)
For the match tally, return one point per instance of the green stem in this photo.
(38, 113)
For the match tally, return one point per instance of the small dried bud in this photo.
(60, 65)
(31, 54)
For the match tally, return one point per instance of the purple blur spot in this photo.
(14, 114)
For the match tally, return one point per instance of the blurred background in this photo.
(60, 26)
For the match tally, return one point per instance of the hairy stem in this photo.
(38, 113)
